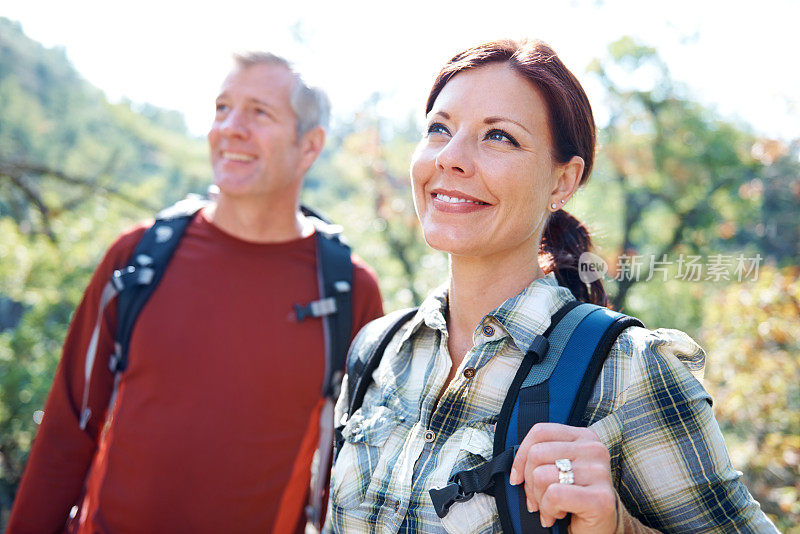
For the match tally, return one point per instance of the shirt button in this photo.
(469, 373)
(429, 436)
(488, 331)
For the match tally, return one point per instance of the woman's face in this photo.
(483, 175)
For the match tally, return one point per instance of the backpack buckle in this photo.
(447, 496)
(318, 308)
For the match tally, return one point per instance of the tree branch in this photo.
(37, 201)
(16, 170)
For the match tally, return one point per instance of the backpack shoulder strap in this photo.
(554, 383)
(335, 305)
(359, 370)
(557, 390)
(146, 267)
(133, 285)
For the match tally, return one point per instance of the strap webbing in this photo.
(579, 344)
(109, 292)
(154, 252)
(464, 484)
(362, 372)
(319, 478)
(132, 286)
(335, 277)
(559, 335)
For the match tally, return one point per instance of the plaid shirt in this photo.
(668, 458)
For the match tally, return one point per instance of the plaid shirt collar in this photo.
(522, 317)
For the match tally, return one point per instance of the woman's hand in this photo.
(591, 499)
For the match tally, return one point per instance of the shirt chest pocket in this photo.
(365, 435)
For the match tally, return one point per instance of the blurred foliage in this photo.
(752, 334)
(370, 165)
(677, 167)
(675, 178)
(74, 171)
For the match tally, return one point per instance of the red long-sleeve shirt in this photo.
(215, 420)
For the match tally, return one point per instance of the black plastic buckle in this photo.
(447, 496)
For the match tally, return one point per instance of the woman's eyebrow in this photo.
(495, 120)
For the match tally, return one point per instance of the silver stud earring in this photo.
(563, 201)
(553, 206)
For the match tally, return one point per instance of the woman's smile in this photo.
(483, 174)
(456, 202)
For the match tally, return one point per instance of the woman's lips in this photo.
(456, 202)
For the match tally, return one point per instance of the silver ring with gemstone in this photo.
(565, 474)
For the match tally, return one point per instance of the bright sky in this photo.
(737, 56)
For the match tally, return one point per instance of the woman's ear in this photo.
(568, 179)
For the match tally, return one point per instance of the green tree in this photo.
(671, 165)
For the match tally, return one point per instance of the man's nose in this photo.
(234, 124)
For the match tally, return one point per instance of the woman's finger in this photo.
(543, 433)
(545, 454)
(593, 506)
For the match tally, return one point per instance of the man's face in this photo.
(253, 141)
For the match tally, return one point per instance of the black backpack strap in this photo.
(463, 485)
(359, 381)
(133, 285)
(335, 308)
(359, 371)
(335, 305)
(146, 267)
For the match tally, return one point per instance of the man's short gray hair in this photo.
(310, 104)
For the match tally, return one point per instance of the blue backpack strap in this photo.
(359, 371)
(558, 390)
(146, 267)
(335, 304)
(554, 383)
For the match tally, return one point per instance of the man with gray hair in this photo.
(213, 424)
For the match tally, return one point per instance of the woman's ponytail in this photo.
(565, 238)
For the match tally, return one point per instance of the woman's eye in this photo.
(221, 108)
(437, 128)
(500, 135)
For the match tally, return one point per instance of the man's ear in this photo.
(312, 143)
(568, 178)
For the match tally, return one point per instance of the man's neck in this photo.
(258, 220)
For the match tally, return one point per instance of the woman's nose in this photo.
(456, 157)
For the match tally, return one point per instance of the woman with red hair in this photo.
(509, 139)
